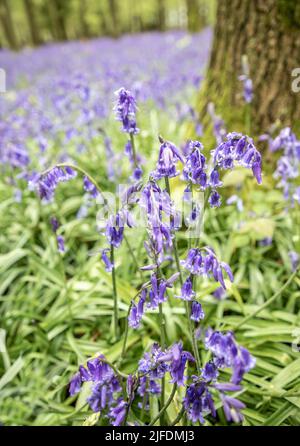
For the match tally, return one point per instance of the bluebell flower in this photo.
(157, 292)
(215, 199)
(228, 353)
(195, 166)
(125, 109)
(219, 293)
(46, 184)
(60, 243)
(214, 179)
(168, 157)
(117, 412)
(210, 371)
(178, 363)
(232, 409)
(75, 384)
(187, 292)
(198, 402)
(152, 363)
(114, 231)
(104, 257)
(238, 149)
(295, 259)
(90, 187)
(55, 224)
(197, 312)
(205, 262)
(137, 311)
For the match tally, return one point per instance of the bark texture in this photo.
(194, 18)
(33, 27)
(7, 23)
(257, 29)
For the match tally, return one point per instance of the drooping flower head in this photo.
(168, 157)
(46, 184)
(195, 166)
(238, 149)
(125, 109)
(204, 262)
(227, 353)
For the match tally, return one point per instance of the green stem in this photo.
(269, 301)
(115, 295)
(164, 408)
(133, 149)
(124, 347)
(163, 346)
(187, 304)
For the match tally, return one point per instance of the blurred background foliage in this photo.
(32, 22)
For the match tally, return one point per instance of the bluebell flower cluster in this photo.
(150, 297)
(106, 394)
(46, 184)
(238, 149)
(233, 149)
(199, 399)
(204, 262)
(156, 363)
(161, 216)
(227, 353)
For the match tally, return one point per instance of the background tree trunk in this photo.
(161, 15)
(85, 32)
(33, 28)
(258, 30)
(57, 12)
(7, 23)
(113, 7)
(194, 19)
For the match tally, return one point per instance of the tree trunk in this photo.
(194, 19)
(57, 11)
(258, 30)
(7, 23)
(114, 17)
(33, 28)
(85, 32)
(161, 15)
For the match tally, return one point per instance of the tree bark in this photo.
(194, 19)
(256, 29)
(161, 15)
(8, 26)
(113, 7)
(33, 28)
(85, 32)
(57, 11)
